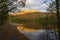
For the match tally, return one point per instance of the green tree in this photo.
(4, 9)
(55, 6)
(3, 12)
(58, 17)
(52, 6)
(8, 32)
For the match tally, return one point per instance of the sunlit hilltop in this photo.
(24, 12)
(29, 11)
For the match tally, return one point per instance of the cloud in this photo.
(32, 2)
(35, 4)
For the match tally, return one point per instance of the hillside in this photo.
(27, 17)
(32, 19)
(31, 15)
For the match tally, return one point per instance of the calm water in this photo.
(41, 35)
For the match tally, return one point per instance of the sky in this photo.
(35, 5)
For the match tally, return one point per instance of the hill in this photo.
(30, 14)
(32, 19)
